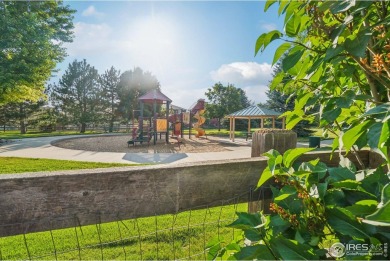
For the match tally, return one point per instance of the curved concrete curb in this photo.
(43, 148)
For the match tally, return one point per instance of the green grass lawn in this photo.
(242, 134)
(212, 132)
(37, 134)
(18, 165)
(219, 133)
(166, 237)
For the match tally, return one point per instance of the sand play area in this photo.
(118, 143)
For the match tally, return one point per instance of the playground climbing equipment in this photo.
(140, 137)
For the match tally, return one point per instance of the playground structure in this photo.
(176, 117)
(156, 126)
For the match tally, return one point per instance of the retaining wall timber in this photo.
(265, 139)
(41, 201)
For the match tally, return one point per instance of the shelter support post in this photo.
(230, 128)
(234, 127)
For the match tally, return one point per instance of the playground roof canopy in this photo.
(253, 111)
(154, 95)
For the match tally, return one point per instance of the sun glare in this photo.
(155, 40)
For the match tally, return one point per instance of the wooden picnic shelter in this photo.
(252, 113)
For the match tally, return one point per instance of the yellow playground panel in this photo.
(161, 125)
(186, 118)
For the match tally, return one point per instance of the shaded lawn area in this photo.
(10, 165)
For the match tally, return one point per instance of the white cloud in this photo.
(89, 38)
(269, 26)
(91, 11)
(252, 77)
(256, 93)
(243, 73)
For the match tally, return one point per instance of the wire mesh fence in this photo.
(180, 236)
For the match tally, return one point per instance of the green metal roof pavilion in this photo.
(251, 113)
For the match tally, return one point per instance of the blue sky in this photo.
(187, 45)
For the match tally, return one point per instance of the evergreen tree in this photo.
(280, 102)
(6, 116)
(43, 119)
(109, 84)
(19, 113)
(77, 94)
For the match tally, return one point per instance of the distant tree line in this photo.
(84, 97)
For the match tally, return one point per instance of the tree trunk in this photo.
(219, 124)
(83, 127)
(111, 127)
(22, 125)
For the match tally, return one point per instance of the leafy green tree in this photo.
(109, 84)
(32, 34)
(133, 84)
(77, 93)
(338, 58)
(223, 100)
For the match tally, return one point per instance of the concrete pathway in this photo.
(42, 148)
